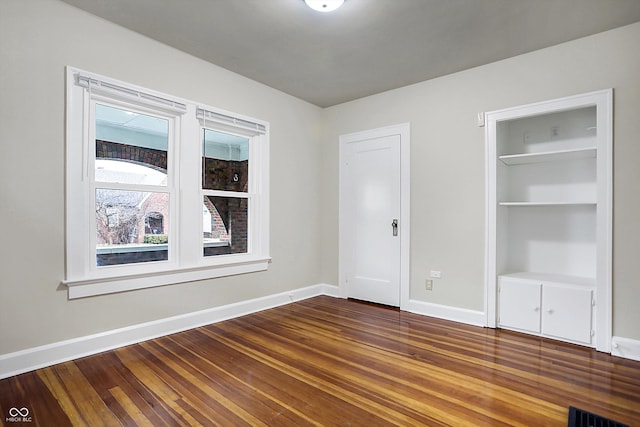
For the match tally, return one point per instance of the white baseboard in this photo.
(456, 314)
(625, 347)
(39, 357)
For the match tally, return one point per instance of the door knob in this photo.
(394, 225)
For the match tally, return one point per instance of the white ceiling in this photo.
(366, 46)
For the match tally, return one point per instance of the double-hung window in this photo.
(230, 186)
(159, 190)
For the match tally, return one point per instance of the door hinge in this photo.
(593, 302)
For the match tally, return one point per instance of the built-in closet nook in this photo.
(549, 218)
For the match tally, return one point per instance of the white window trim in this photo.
(186, 262)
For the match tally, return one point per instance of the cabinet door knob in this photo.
(550, 311)
(536, 308)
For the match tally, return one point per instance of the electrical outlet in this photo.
(429, 285)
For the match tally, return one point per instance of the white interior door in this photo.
(371, 221)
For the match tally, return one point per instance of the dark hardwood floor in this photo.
(327, 361)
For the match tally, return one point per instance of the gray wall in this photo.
(447, 161)
(38, 38)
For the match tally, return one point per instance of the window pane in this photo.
(124, 172)
(224, 225)
(131, 226)
(129, 137)
(225, 161)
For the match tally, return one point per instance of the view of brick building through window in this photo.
(132, 195)
(126, 217)
(138, 218)
(228, 214)
(131, 226)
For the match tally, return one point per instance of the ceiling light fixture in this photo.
(324, 5)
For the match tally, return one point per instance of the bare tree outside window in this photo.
(117, 216)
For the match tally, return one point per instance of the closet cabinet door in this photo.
(566, 313)
(520, 304)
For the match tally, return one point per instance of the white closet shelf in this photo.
(564, 203)
(548, 156)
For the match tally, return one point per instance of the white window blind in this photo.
(96, 85)
(223, 119)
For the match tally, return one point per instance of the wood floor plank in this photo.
(67, 383)
(326, 361)
(29, 391)
(56, 387)
(351, 374)
(134, 412)
(262, 406)
(107, 372)
(322, 382)
(167, 396)
(209, 397)
(378, 359)
(220, 363)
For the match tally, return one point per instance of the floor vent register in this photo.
(582, 418)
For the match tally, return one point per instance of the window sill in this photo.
(109, 285)
(215, 244)
(123, 249)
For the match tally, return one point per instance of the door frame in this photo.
(402, 130)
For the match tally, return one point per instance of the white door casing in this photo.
(374, 193)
